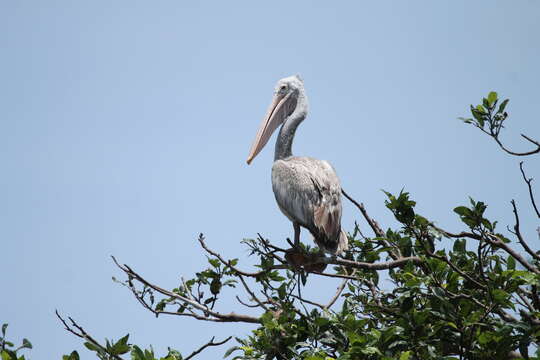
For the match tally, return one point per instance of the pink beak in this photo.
(276, 114)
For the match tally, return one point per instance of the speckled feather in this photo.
(308, 192)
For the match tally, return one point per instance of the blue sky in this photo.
(124, 129)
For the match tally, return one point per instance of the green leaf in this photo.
(215, 286)
(478, 115)
(492, 97)
(26, 344)
(8, 355)
(462, 211)
(136, 353)
(73, 356)
(121, 346)
(4, 327)
(485, 337)
(524, 349)
(460, 245)
(91, 346)
(214, 262)
(371, 350)
(230, 351)
(511, 262)
(502, 106)
(161, 305)
(405, 355)
(407, 304)
(499, 295)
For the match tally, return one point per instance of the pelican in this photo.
(307, 190)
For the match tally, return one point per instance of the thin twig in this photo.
(246, 304)
(494, 239)
(80, 332)
(537, 150)
(517, 232)
(216, 316)
(370, 266)
(374, 225)
(250, 292)
(337, 294)
(210, 343)
(309, 302)
(225, 262)
(457, 235)
(528, 182)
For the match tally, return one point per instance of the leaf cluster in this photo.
(111, 350)
(8, 350)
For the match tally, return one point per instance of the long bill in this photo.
(277, 112)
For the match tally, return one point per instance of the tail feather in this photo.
(343, 243)
(333, 246)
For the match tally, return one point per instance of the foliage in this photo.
(8, 351)
(415, 291)
(113, 349)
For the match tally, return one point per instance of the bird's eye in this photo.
(283, 87)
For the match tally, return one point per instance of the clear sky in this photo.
(125, 126)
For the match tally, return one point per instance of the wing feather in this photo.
(308, 192)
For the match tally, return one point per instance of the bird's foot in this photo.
(295, 246)
(301, 260)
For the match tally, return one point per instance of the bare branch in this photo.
(374, 225)
(400, 262)
(494, 239)
(373, 266)
(246, 304)
(321, 306)
(225, 262)
(462, 234)
(535, 151)
(78, 331)
(528, 182)
(210, 343)
(210, 315)
(518, 233)
(250, 292)
(340, 276)
(337, 294)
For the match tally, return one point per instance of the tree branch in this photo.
(215, 316)
(225, 262)
(537, 150)
(528, 182)
(336, 295)
(518, 233)
(374, 226)
(78, 331)
(493, 239)
(250, 292)
(210, 343)
(368, 266)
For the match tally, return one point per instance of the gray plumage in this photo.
(307, 190)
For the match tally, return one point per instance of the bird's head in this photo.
(286, 94)
(291, 84)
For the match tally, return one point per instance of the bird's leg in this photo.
(296, 235)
